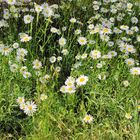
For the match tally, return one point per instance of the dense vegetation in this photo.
(69, 71)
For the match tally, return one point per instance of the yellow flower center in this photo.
(25, 38)
(129, 49)
(135, 71)
(30, 107)
(129, 62)
(82, 40)
(6, 49)
(69, 84)
(70, 89)
(87, 118)
(105, 30)
(20, 100)
(82, 79)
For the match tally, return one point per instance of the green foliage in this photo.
(111, 94)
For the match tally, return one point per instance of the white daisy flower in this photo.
(53, 59)
(70, 89)
(20, 100)
(13, 67)
(106, 31)
(124, 27)
(28, 19)
(6, 15)
(82, 40)
(96, 7)
(88, 118)
(130, 49)
(99, 65)
(70, 81)
(65, 52)
(90, 26)
(134, 20)
(20, 58)
(38, 8)
(95, 54)
(23, 69)
(104, 37)
(135, 71)
(5, 50)
(126, 83)
(21, 52)
(30, 108)
(112, 53)
(82, 80)
(26, 74)
(16, 45)
(62, 41)
(110, 43)
(24, 37)
(22, 106)
(44, 5)
(48, 12)
(37, 64)
(72, 20)
(63, 89)
(129, 6)
(130, 61)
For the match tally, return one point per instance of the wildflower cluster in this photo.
(71, 84)
(90, 53)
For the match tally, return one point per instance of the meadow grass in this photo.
(70, 71)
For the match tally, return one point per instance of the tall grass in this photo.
(65, 87)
